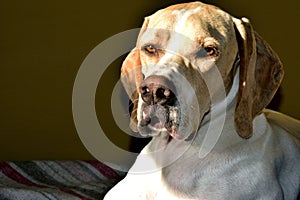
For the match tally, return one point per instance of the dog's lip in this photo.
(172, 130)
(158, 118)
(158, 129)
(153, 131)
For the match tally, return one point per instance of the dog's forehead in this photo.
(193, 20)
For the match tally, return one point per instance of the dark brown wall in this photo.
(43, 43)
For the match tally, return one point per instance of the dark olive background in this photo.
(43, 43)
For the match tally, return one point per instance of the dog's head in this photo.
(177, 48)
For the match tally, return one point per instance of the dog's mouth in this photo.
(162, 108)
(156, 118)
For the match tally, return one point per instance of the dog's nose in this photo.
(157, 90)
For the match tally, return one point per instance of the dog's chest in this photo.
(192, 178)
(182, 176)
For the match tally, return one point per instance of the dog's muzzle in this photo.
(160, 108)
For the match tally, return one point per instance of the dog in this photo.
(199, 80)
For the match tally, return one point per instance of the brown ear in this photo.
(132, 76)
(131, 72)
(260, 76)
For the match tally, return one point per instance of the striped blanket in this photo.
(56, 180)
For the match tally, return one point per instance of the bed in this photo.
(56, 180)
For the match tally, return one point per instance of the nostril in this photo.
(156, 95)
(160, 93)
(146, 94)
(145, 90)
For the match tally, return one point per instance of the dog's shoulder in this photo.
(284, 123)
(286, 134)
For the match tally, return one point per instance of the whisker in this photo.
(133, 113)
(133, 102)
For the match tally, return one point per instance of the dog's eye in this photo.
(150, 49)
(211, 51)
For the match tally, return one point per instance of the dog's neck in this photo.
(221, 107)
(219, 124)
(231, 97)
(219, 120)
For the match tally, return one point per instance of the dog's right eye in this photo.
(150, 49)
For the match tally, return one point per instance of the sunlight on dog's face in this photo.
(175, 55)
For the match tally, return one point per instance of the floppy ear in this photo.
(260, 76)
(131, 73)
(132, 76)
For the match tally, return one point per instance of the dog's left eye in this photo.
(150, 49)
(211, 51)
